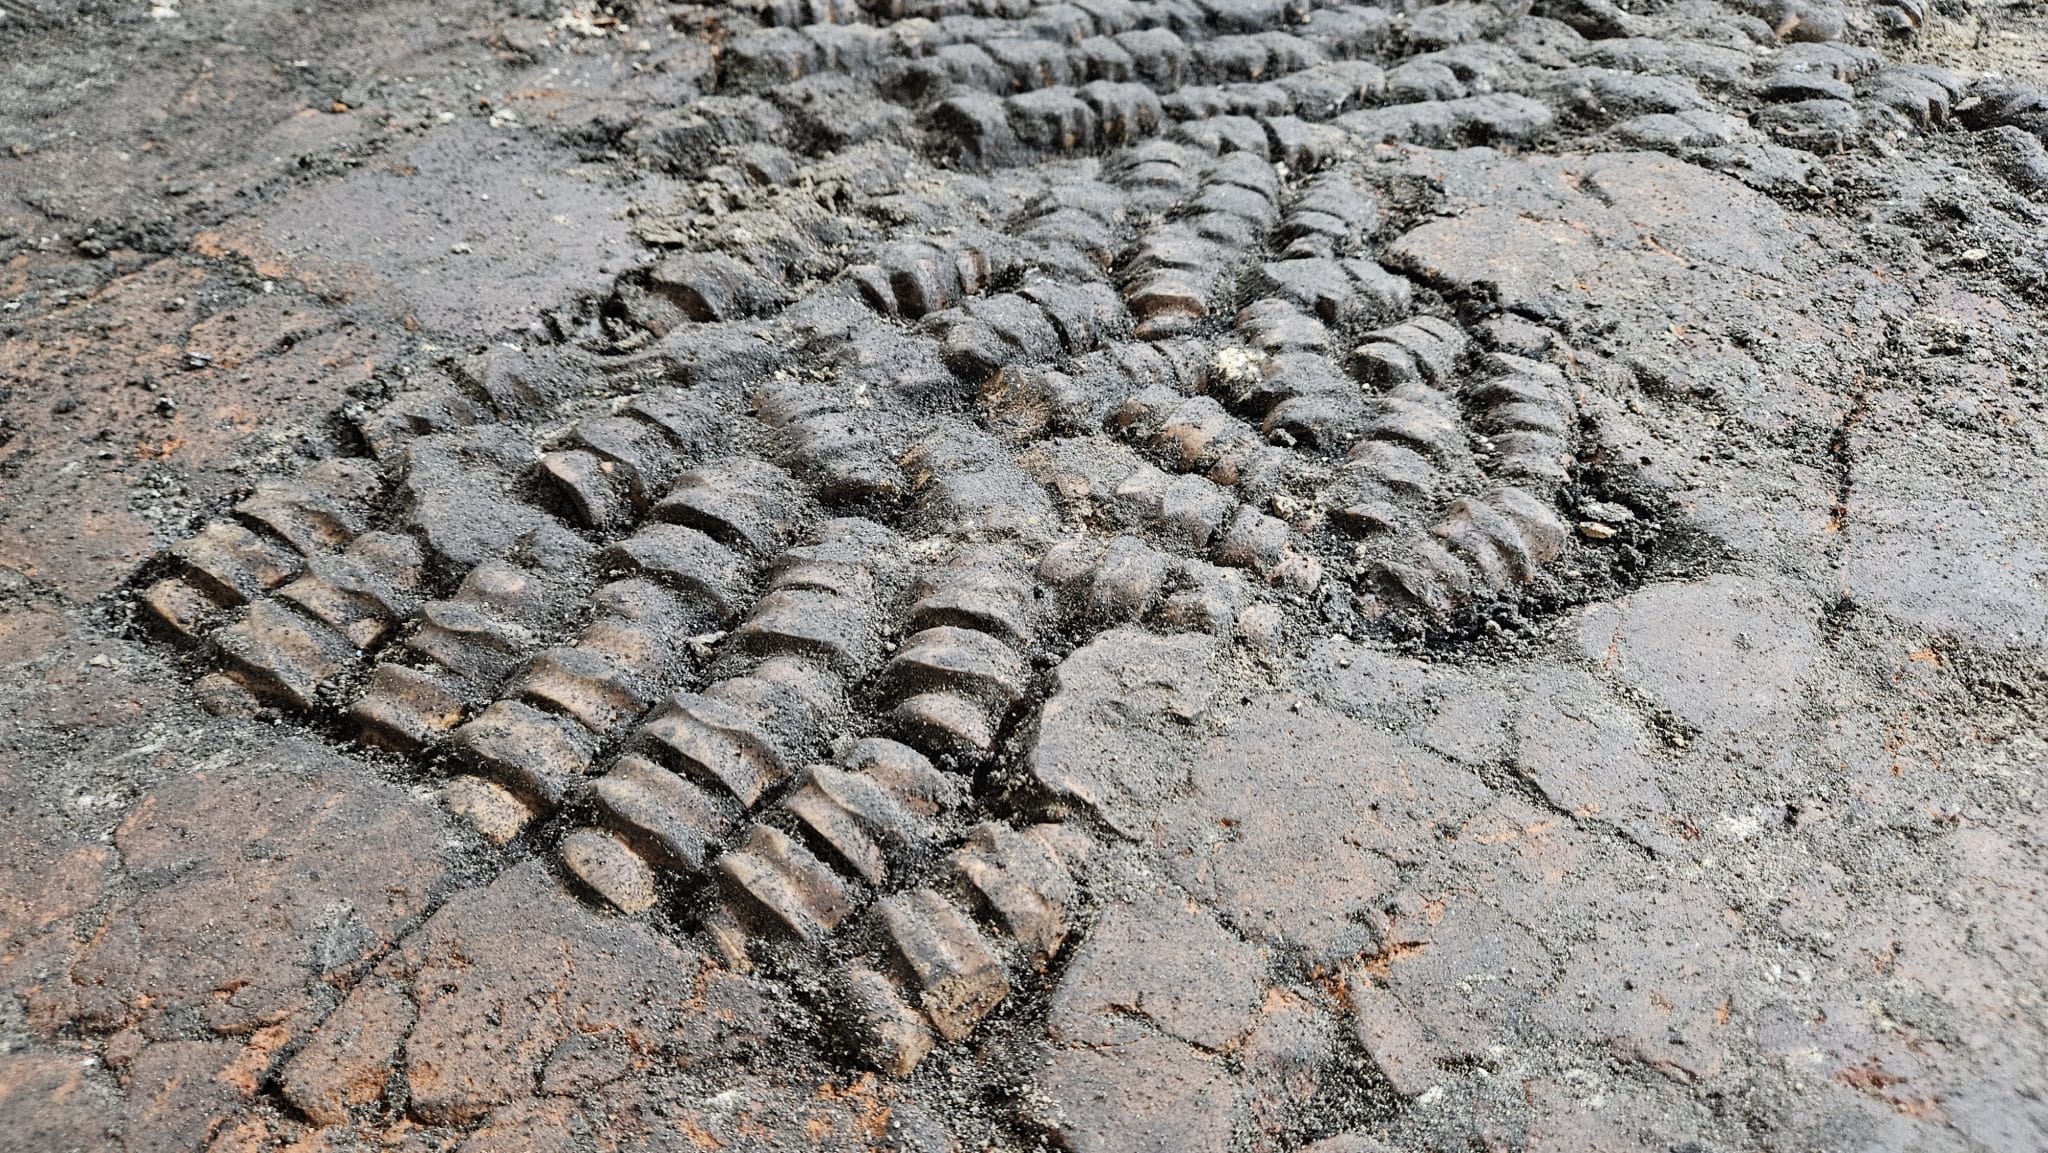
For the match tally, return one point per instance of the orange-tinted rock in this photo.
(1295, 821)
(1149, 1095)
(255, 883)
(1167, 960)
(350, 1057)
(506, 975)
(42, 888)
(54, 1101)
(180, 1095)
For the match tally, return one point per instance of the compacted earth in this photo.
(1194, 575)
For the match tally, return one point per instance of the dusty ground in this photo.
(1171, 574)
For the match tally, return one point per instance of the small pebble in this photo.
(1594, 530)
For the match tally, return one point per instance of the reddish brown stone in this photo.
(1439, 707)
(77, 681)
(505, 976)
(1386, 1028)
(1150, 1094)
(1163, 959)
(530, 1126)
(1123, 683)
(73, 524)
(1658, 980)
(1294, 821)
(1591, 758)
(781, 1108)
(1727, 655)
(603, 861)
(180, 1094)
(249, 1133)
(42, 887)
(1836, 939)
(26, 634)
(1290, 1059)
(1461, 971)
(256, 882)
(955, 967)
(351, 1054)
(585, 1063)
(55, 1101)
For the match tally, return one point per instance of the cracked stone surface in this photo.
(1256, 576)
